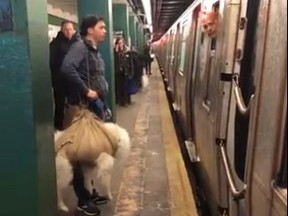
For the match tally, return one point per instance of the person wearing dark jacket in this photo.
(147, 59)
(58, 49)
(122, 71)
(84, 68)
(137, 66)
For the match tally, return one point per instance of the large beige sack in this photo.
(85, 138)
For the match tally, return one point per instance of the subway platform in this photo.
(154, 181)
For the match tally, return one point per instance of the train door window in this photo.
(246, 82)
(169, 53)
(177, 46)
(168, 48)
(184, 33)
(210, 67)
(197, 37)
(172, 48)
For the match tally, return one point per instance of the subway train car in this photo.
(229, 93)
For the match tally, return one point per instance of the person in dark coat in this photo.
(147, 59)
(122, 72)
(58, 49)
(137, 66)
(84, 70)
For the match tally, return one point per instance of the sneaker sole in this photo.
(87, 213)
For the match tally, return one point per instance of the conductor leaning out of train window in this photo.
(58, 49)
(121, 73)
(210, 22)
(83, 67)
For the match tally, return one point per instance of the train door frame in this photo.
(219, 53)
(172, 61)
(234, 13)
(206, 114)
(175, 67)
(191, 70)
(168, 58)
(182, 73)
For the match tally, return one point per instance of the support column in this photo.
(140, 38)
(121, 20)
(103, 8)
(28, 180)
(137, 36)
(132, 27)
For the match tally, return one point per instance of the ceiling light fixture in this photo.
(148, 13)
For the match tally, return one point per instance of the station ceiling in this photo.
(164, 12)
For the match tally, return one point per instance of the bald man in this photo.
(210, 23)
(58, 50)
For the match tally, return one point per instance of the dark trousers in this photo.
(121, 91)
(148, 67)
(138, 77)
(59, 92)
(78, 183)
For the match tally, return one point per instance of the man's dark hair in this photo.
(89, 22)
(63, 23)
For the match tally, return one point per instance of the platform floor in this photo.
(154, 182)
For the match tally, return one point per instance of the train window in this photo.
(172, 49)
(282, 176)
(185, 33)
(210, 69)
(182, 58)
(246, 82)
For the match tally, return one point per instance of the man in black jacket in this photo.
(58, 49)
(83, 68)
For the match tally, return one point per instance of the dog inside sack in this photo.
(86, 138)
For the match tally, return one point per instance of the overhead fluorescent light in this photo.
(148, 13)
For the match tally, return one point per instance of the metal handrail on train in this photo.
(239, 98)
(237, 194)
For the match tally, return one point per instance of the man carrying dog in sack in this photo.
(84, 70)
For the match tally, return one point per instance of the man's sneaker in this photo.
(98, 200)
(89, 209)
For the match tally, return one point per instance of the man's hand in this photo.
(92, 94)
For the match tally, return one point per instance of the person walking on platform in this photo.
(122, 71)
(58, 49)
(84, 68)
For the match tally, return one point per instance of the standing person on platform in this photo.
(58, 49)
(147, 59)
(137, 66)
(121, 73)
(84, 68)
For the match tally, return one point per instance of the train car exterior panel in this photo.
(211, 89)
(271, 89)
